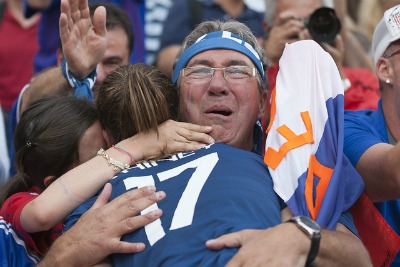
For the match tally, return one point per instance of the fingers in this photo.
(133, 223)
(188, 132)
(104, 197)
(126, 247)
(128, 208)
(64, 21)
(232, 240)
(192, 127)
(99, 21)
(134, 201)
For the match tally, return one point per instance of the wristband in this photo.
(82, 88)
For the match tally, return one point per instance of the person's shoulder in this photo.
(13, 250)
(359, 116)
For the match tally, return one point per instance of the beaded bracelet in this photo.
(116, 165)
(123, 150)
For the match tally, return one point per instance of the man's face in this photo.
(231, 108)
(117, 53)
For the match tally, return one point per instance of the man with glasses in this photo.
(224, 187)
(371, 137)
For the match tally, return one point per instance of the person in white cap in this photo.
(371, 137)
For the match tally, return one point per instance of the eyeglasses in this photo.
(203, 75)
(393, 54)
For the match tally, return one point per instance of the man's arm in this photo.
(381, 160)
(98, 232)
(286, 245)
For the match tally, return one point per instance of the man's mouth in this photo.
(224, 111)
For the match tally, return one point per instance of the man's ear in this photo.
(49, 180)
(107, 139)
(384, 69)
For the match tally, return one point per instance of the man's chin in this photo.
(220, 134)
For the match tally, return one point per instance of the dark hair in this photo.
(47, 140)
(135, 98)
(116, 17)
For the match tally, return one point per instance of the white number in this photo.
(183, 215)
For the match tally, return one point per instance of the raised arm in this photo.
(84, 44)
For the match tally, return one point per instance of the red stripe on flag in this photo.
(379, 238)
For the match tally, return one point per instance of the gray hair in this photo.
(231, 26)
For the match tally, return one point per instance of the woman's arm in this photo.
(82, 182)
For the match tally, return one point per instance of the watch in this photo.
(312, 229)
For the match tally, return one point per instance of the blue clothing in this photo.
(179, 21)
(210, 192)
(49, 34)
(13, 252)
(364, 129)
(156, 14)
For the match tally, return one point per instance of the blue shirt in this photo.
(210, 192)
(13, 252)
(364, 129)
(179, 21)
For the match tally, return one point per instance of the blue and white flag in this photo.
(304, 146)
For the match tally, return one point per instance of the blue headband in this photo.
(217, 40)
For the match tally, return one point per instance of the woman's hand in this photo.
(172, 137)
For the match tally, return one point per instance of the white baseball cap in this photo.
(387, 31)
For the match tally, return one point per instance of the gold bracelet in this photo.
(116, 165)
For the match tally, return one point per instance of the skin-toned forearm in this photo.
(82, 182)
(259, 247)
(65, 194)
(50, 81)
(341, 248)
(380, 169)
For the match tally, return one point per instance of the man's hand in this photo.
(336, 50)
(285, 30)
(282, 245)
(98, 232)
(83, 43)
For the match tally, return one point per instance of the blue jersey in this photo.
(210, 192)
(12, 249)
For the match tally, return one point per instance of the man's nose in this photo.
(218, 83)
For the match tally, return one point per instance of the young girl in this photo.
(56, 134)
